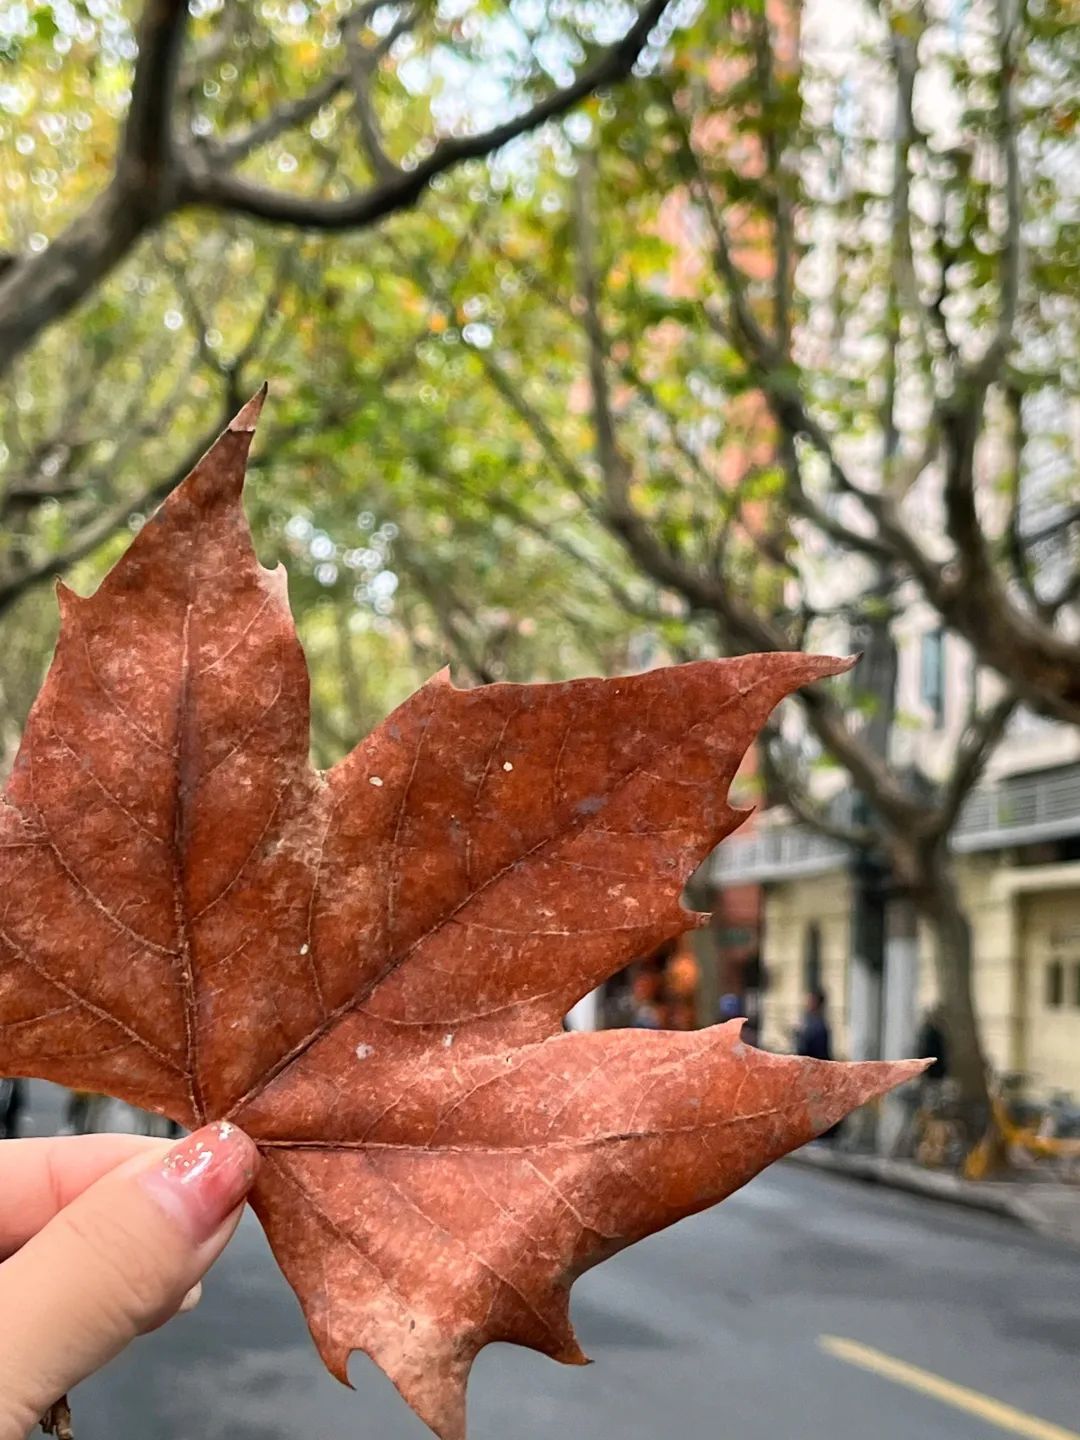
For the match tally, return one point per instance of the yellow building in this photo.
(1017, 849)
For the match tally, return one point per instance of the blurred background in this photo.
(601, 336)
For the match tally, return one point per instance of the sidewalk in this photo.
(1050, 1209)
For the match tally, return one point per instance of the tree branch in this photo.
(147, 145)
(37, 289)
(442, 609)
(778, 198)
(540, 429)
(547, 532)
(985, 370)
(901, 270)
(98, 530)
(801, 501)
(750, 630)
(351, 688)
(782, 773)
(1017, 544)
(892, 538)
(976, 745)
(204, 183)
(363, 65)
(154, 176)
(1067, 595)
(1042, 664)
(229, 152)
(611, 463)
(747, 628)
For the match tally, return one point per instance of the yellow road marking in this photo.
(994, 1412)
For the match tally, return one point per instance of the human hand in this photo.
(102, 1238)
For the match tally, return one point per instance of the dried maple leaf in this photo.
(367, 969)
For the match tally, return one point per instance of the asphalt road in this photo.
(783, 1315)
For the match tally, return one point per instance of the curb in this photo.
(877, 1170)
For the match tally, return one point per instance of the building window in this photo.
(932, 675)
(812, 958)
(1055, 985)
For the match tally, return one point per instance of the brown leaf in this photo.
(367, 969)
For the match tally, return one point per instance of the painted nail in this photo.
(191, 1299)
(203, 1178)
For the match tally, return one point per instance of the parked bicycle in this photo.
(1029, 1133)
(1034, 1133)
(934, 1133)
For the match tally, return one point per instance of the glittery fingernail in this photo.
(203, 1178)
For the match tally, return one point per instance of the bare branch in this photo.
(828, 524)
(749, 630)
(382, 166)
(974, 749)
(961, 423)
(903, 287)
(782, 772)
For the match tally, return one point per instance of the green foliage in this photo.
(432, 375)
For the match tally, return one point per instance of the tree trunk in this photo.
(937, 901)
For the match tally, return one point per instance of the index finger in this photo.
(38, 1178)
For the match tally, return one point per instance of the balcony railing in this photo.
(775, 854)
(1022, 810)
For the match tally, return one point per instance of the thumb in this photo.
(115, 1262)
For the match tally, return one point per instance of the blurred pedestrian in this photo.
(751, 1033)
(645, 1016)
(734, 1007)
(728, 1007)
(12, 1102)
(813, 1037)
(77, 1113)
(645, 1012)
(932, 1042)
(814, 1040)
